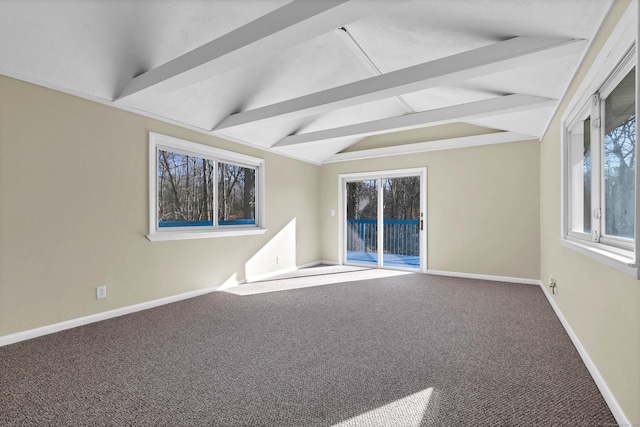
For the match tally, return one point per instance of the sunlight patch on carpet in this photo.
(409, 411)
(324, 277)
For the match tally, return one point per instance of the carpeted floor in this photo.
(372, 349)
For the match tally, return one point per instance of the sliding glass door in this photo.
(384, 219)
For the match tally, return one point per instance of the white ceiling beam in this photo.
(512, 53)
(456, 113)
(423, 147)
(287, 26)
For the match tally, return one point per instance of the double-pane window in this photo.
(600, 214)
(197, 188)
(601, 163)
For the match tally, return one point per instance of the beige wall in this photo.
(482, 213)
(74, 213)
(600, 304)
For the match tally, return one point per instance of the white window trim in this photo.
(622, 40)
(159, 141)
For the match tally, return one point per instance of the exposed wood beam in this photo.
(284, 27)
(421, 147)
(512, 53)
(457, 113)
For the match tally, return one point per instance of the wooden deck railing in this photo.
(400, 236)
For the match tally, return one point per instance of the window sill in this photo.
(177, 235)
(622, 263)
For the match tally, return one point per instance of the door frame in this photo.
(394, 173)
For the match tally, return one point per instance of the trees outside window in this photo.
(185, 192)
(236, 194)
(184, 189)
(620, 158)
(196, 188)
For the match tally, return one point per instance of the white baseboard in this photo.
(485, 277)
(72, 323)
(267, 276)
(80, 321)
(611, 401)
(311, 264)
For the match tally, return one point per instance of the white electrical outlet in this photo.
(101, 292)
(278, 259)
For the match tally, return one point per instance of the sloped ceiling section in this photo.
(312, 79)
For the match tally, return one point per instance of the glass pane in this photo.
(236, 195)
(184, 190)
(362, 222)
(401, 239)
(619, 158)
(580, 176)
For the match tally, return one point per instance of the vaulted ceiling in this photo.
(319, 80)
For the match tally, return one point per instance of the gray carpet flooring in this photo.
(328, 347)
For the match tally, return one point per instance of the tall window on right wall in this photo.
(600, 155)
(602, 163)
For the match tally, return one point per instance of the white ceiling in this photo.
(261, 71)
